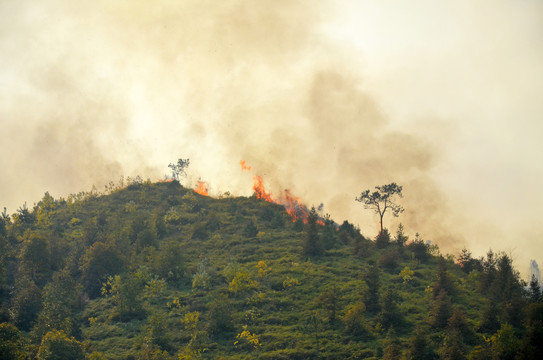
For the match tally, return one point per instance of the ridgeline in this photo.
(157, 271)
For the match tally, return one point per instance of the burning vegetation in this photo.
(201, 188)
(293, 205)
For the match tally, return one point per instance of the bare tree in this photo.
(179, 169)
(382, 200)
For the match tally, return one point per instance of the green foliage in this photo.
(401, 237)
(241, 282)
(26, 304)
(169, 263)
(418, 346)
(56, 345)
(329, 301)
(250, 230)
(60, 303)
(35, 258)
(441, 310)
(390, 315)
(419, 249)
(99, 262)
(383, 239)
(12, 342)
(371, 296)
(311, 242)
(407, 275)
(392, 349)
(326, 292)
(355, 323)
(535, 290)
(390, 259)
(220, 318)
(467, 263)
(126, 291)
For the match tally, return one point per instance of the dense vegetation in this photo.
(156, 271)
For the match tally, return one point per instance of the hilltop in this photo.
(159, 271)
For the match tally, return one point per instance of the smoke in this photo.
(534, 271)
(326, 100)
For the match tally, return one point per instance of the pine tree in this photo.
(441, 310)
(535, 290)
(371, 296)
(390, 314)
(443, 280)
(401, 238)
(329, 301)
(311, 245)
(418, 346)
(392, 350)
(489, 320)
(383, 239)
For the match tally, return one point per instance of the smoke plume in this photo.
(326, 99)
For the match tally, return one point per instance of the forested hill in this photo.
(157, 271)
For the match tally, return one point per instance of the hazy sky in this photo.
(325, 98)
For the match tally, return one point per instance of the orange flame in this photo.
(258, 187)
(201, 188)
(293, 205)
(244, 165)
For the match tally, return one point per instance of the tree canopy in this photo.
(383, 199)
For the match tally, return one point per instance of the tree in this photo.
(312, 245)
(383, 239)
(467, 263)
(55, 345)
(504, 343)
(59, 306)
(126, 293)
(534, 290)
(441, 310)
(459, 324)
(329, 233)
(179, 169)
(250, 230)
(35, 258)
(401, 238)
(383, 199)
(419, 248)
(392, 350)
(169, 263)
(418, 347)
(390, 314)
(26, 304)
(354, 320)
(531, 346)
(371, 296)
(489, 322)
(99, 261)
(443, 281)
(12, 343)
(329, 301)
(220, 318)
(452, 347)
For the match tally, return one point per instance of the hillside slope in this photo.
(157, 271)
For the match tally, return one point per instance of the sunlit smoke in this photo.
(323, 98)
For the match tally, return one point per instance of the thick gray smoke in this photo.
(326, 100)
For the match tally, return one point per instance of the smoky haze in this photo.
(326, 100)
